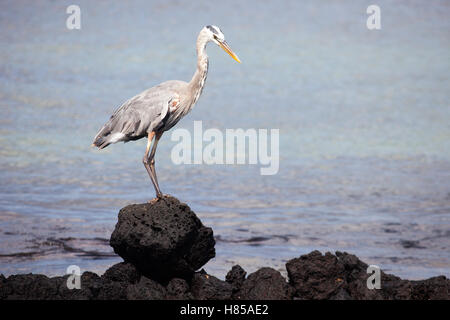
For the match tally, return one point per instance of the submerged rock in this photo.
(163, 240)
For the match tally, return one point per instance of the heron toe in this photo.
(154, 200)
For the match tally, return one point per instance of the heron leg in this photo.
(152, 160)
(149, 161)
(147, 150)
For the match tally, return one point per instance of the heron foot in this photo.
(154, 200)
(157, 198)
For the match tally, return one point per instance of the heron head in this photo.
(216, 35)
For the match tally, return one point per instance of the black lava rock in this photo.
(29, 287)
(178, 289)
(164, 239)
(236, 277)
(436, 288)
(343, 277)
(313, 276)
(111, 290)
(146, 289)
(207, 287)
(122, 272)
(265, 284)
(84, 293)
(3, 291)
(39, 287)
(316, 276)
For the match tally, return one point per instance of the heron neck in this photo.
(198, 80)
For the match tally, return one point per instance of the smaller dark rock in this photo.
(392, 288)
(146, 289)
(341, 294)
(316, 276)
(343, 276)
(207, 287)
(236, 277)
(122, 272)
(351, 262)
(112, 290)
(64, 293)
(91, 281)
(29, 287)
(436, 288)
(265, 284)
(178, 289)
(3, 292)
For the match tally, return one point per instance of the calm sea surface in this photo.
(364, 120)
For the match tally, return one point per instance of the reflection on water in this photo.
(363, 118)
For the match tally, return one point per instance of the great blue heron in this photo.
(159, 108)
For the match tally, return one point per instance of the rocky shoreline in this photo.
(164, 243)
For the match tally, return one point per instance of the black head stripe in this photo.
(212, 29)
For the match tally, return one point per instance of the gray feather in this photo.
(140, 115)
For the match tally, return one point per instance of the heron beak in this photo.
(228, 50)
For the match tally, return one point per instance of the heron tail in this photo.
(105, 137)
(101, 142)
(102, 139)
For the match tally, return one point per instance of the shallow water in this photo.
(364, 119)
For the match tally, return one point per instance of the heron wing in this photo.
(139, 115)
